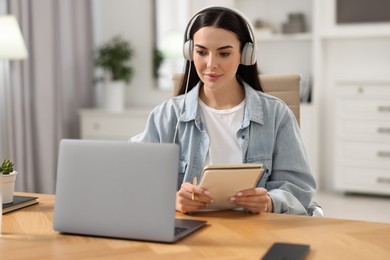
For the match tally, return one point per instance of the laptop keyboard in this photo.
(179, 230)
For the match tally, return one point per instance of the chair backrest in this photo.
(283, 86)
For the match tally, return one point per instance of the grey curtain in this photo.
(48, 88)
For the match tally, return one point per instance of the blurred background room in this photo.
(58, 84)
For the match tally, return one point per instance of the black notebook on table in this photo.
(19, 202)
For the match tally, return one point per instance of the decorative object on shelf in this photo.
(295, 24)
(9, 177)
(362, 11)
(113, 58)
(263, 28)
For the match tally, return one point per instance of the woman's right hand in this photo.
(184, 202)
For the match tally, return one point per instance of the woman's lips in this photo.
(213, 76)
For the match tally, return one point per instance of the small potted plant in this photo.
(113, 58)
(9, 177)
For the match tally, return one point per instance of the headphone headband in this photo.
(248, 56)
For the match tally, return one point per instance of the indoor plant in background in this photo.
(158, 58)
(9, 177)
(113, 58)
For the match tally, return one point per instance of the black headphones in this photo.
(248, 55)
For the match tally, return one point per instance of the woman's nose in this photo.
(212, 61)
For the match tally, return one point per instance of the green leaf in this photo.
(6, 167)
(114, 57)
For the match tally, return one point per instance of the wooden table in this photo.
(28, 234)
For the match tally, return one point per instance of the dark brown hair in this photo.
(231, 21)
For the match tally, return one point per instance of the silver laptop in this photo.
(120, 190)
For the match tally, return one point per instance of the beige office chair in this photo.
(283, 86)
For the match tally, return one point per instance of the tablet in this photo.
(225, 180)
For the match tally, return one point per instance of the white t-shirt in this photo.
(222, 126)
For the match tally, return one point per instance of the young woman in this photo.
(225, 118)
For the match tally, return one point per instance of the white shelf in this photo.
(355, 35)
(362, 82)
(284, 37)
(359, 31)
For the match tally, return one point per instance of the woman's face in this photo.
(216, 57)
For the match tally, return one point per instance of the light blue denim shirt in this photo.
(269, 134)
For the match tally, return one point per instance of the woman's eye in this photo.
(224, 54)
(201, 53)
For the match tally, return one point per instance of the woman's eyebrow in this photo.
(220, 48)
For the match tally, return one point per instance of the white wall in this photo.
(133, 20)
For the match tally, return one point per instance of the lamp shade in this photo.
(12, 46)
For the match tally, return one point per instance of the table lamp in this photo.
(12, 47)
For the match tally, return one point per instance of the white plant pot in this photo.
(114, 96)
(9, 187)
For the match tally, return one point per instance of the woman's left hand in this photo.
(255, 200)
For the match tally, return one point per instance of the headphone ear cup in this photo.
(248, 55)
(188, 49)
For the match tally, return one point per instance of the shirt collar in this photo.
(191, 104)
(253, 107)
